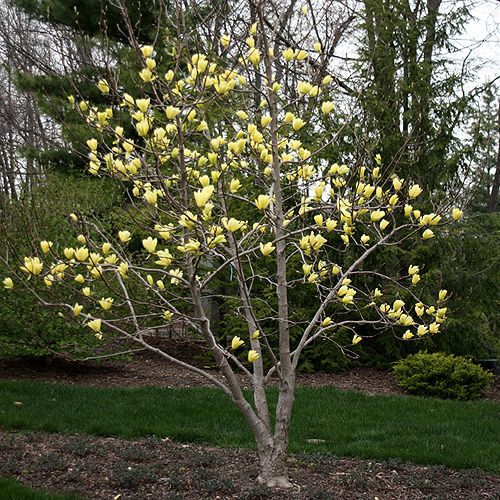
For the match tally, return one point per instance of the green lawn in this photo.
(427, 431)
(13, 490)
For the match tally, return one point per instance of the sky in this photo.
(481, 38)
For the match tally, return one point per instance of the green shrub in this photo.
(442, 375)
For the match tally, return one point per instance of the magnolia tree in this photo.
(226, 169)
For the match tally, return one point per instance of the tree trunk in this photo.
(273, 471)
(492, 205)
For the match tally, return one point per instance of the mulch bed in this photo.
(146, 369)
(103, 468)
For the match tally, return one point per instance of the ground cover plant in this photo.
(160, 468)
(422, 430)
(222, 149)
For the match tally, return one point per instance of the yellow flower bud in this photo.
(46, 246)
(356, 339)
(327, 321)
(457, 214)
(8, 283)
(77, 309)
(427, 234)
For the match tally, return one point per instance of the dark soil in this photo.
(107, 468)
(104, 468)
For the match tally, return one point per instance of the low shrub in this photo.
(442, 375)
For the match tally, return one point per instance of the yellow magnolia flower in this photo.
(8, 283)
(422, 330)
(377, 215)
(407, 335)
(398, 304)
(225, 40)
(87, 291)
(288, 54)
(32, 265)
(81, 254)
(413, 270)
(443, 294)
(364, 239)
(317, 46)
(202, 196)
(123, 269)
(46, 246)
(151, 196)
(457, 214)
(253, 356)
(356, 339)
(124, 236)
(434, 328)
(81, 239)
(106, 247)
(414, 191)
(336, 269)
(331, 225)
(397, 183)
(406, 320)
(327, 107)
(236, 342)
(150, 244)
(427, 234)
(171, 112)
(267, 249)
(77, 309)
(95, 325)
(168, 315)
(232, 224)
(408, 210)
(234, 185)
(142, 128)
(79, 279)
(263, 201)
(383, 224)
(242, 115)
(103, 86)
(147, 50)
(303, 87)
(327, 321)
(415, 279)
(297, 124)
(106, 303)
(377, 293)
(69, 253)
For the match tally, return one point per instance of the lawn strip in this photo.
(426, 431)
